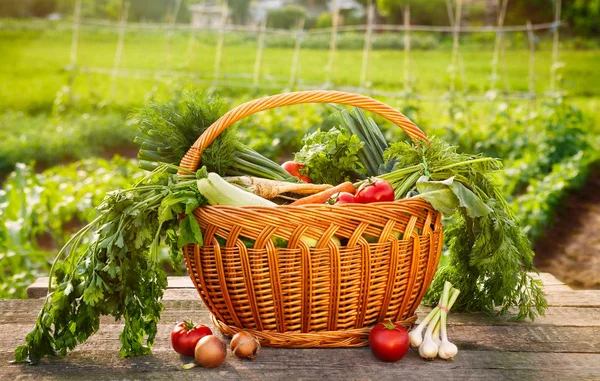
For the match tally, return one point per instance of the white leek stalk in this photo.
(429, 348)
(416, 335)
(436, 332)
(447, 350)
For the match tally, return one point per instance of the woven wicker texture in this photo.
(329, 295)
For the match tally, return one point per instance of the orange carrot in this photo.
(322, 197)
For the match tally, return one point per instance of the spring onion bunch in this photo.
(431, 345)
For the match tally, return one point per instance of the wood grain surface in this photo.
(563, 345)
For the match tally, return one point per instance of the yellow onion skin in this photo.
(244, 345)
(210, 352)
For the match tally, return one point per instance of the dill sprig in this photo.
(168, 129)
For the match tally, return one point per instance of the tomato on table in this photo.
(185, 336)
(389, 341)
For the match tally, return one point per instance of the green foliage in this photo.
(324, 20)
(49, 141)
(286, 17)
(356, 41)
(543, 197)
(278, 133)
(331, 157)
(168, 129)
(37, 52)
(139, 10)
(240, 10)
(489, 254)
(584, 16)
(422, 12)
(117, 271)
(38, 212)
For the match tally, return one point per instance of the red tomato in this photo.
(293, 168)
(186, 335)
(374, 190)
(389, 341)
(342, 198)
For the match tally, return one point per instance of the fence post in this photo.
(74, 46)
(406, 49)
(531, 59)
(171, 18)
(450, 11)
(192, 42)
(497, 43)
(367, 45)
(259, 50)
(455, 42)
(119, 52)
(333, 43)
(555, 63)
(296, 57)
(219, 52)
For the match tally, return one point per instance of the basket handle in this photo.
(191, 160)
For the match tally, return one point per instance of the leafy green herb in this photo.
(169, 129)
(371, 154)
(116, 271)
(448, 195)
(331, 157)
(490, 256)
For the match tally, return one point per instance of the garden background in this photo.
(511, 79)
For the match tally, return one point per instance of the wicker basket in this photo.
(323, 296)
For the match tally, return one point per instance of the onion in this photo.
(210, 352)
(244, 345)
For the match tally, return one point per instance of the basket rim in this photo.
(414, 201)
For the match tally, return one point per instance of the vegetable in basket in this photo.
(331, 157)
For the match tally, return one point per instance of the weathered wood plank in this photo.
(39, 288)
(556, 298)
(548, 279)
(555, 316)
(482, 338)
(579, 298)
(309, 364)
(26, 311)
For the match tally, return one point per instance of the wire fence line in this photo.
(256, 80)
(341, 28)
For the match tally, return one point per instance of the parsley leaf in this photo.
(116, 273)
(331, 157)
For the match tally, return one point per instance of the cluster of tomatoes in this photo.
(372, 190)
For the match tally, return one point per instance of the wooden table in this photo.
(564, 345)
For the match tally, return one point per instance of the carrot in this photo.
(322, 197)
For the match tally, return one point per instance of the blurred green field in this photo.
(548, 146)
(36, 60)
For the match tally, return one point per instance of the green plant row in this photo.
(547, 151)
